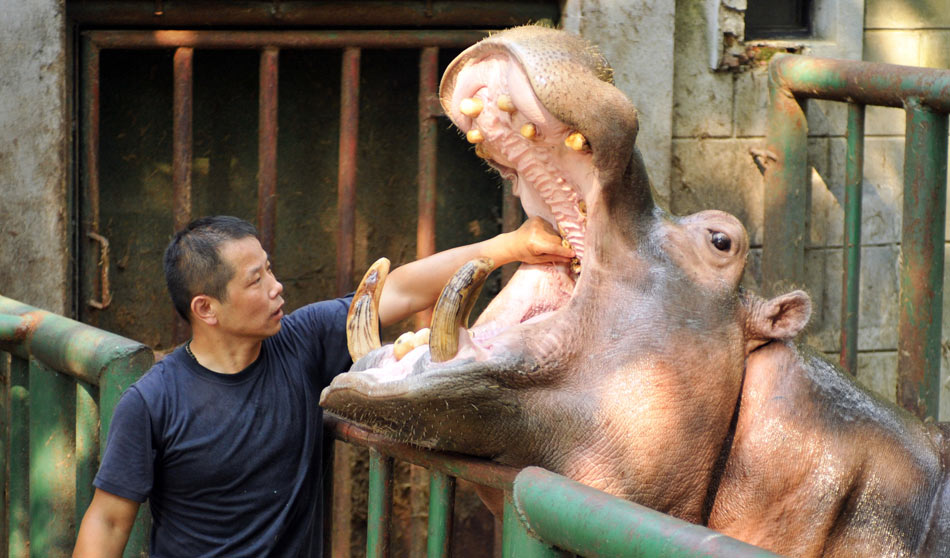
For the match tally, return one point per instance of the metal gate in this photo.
(924, 94)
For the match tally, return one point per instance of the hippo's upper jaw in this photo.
(569, 366)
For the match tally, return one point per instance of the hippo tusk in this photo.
(471, 107)
(505, 104)
(362, 319)
(454, 306)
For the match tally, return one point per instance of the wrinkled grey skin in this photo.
(660, 381)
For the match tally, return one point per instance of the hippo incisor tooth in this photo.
(576, 141)
(454, 306)
(474, 136)
(471, 106)
(409, 341)
(505, 104)
(362, 319)
(529, 130)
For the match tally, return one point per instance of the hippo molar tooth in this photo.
(576, 141)
(474, 136)
(529, 130)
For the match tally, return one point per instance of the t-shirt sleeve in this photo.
(322, 325)
(127, 467)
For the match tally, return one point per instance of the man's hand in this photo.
(535, 241)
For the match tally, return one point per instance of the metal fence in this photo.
(62, 381)
(924, 94)
(546, 515)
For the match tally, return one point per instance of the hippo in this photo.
(643, 368)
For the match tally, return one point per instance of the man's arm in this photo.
(106, 526)
(416, 286)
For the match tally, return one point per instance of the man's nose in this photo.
(277, 289)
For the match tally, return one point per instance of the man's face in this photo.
(253, 306)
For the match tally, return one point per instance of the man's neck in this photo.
(223, 355)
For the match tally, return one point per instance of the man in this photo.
(222, 436)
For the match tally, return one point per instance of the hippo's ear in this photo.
(783, 317)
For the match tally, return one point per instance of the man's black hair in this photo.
(193, 263)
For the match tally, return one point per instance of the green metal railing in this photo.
(59, 388)
(924, 94)
(545, 516)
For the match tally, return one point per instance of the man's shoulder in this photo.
(157, 379)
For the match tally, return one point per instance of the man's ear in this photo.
(204, 309)
(783, 317)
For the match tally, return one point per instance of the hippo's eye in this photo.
(721, 241)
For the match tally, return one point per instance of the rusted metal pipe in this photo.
(429, 110)
(922, 248)
(219, 39)
(478, 471)
(182, 136)
(250, 13)
(267, 149)
(346, 182)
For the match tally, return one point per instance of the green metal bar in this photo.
(441, 512)
(52, 461)
(786, 191)
(518, 542)
(587, 521)
(867, 83)
(87, 445)
(19, 483)
(922, 248)
(854, 175)
(4, 451)
(65, 345)
(380, 505)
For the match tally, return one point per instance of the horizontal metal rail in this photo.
(546, 514)
(924, 94)
(237, 39)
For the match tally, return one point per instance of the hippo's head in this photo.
(621, 371)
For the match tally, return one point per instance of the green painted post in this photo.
(380, 504)
(922, 245)
(52, 462)
(786, 190)
(854, 175)
(4, 450)
(19, 495)
(518, 542)
(441, 511)
(87, 446)
(584, 520)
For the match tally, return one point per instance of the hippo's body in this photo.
(643, 370)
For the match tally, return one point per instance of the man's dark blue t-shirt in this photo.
(230, 463)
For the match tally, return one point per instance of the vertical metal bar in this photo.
(182, 136)
(267, 149)
(854, 174)
(87, 445)
(90, 170)
(346, 182)
(786, 183)
(517, 542)
(52, 461)
(441, 514)
(19, 480)
(429, 109)
(181, 157)
(380, 504)
(5, 424)
(922, 256)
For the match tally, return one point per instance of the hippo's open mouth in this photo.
(490, 99)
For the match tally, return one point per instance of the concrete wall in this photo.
(33, 154)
